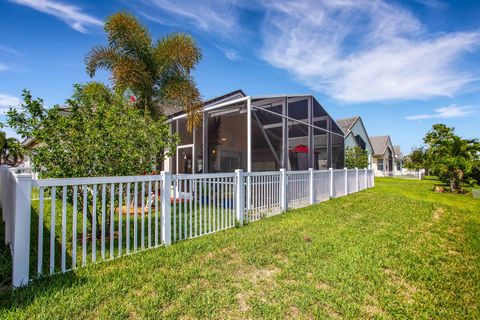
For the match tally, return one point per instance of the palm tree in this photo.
(11, 150)
(158, 74)
(456, 156)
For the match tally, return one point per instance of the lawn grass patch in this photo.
(398, 250)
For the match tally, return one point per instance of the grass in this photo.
(399, 250)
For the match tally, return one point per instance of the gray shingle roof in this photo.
(346, 124)
(379, 144)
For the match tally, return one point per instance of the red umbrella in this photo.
(300, 149)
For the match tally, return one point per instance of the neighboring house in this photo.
(383, 155)
(356, 135)
(398, 158)
(257, 134)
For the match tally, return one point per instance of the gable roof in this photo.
(346, 124)
(397, 151)
(175, 110)
(379, 144)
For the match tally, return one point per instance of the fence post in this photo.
(21, 231)
(373, 180)
(419, 175)
(166, 214)
(240, 197)
(283, 190)
(310, 186)
(331, 182)
(366, 178)
(346, 180)
(356, 180)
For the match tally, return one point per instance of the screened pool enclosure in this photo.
(258, 134)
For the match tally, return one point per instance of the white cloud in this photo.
(7, 101)
(351, 50)
(3, 67)
(71, 15)
(435, 4)
(9, 50)
(359, 51)
(452, 111)
(229, 53)
(215, 16)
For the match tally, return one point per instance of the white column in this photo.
(240, 198)
(310, 186)
(165, 205)
(283, 190)
(346, 180)
(331, 182)
(21, 231)
(356, 180)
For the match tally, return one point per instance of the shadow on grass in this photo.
(17, 298)
(6, 263)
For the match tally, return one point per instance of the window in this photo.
(380, 164)
(361, 142)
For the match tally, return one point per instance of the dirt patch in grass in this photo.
(372, 309)
(242, 300)
(323, 286)
(437, 214)
(405, 288)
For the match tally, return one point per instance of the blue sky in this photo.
(401, 65)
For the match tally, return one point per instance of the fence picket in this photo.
(52, 230)
(94, 224)
(64, 228)
(120, 215)
(40, 232)
(74, 227)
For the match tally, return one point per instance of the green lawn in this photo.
(399, 250)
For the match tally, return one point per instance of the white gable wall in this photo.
(359, 129)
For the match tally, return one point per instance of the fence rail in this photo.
(55, 225)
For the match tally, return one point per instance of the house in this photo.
(398, 159)
(383, 155)
(263, 133)
(356, 135)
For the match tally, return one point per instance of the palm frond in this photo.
(178, 51)
(100, 57)
(183, 93)
(128, 35)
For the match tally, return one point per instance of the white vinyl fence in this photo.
(55, 225)
(404, 173)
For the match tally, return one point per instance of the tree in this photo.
(417, 159)
(11, 150)
(96, 134)
(158, 74)
(452, 157)
(356, 157)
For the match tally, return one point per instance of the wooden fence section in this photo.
(56, 225)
